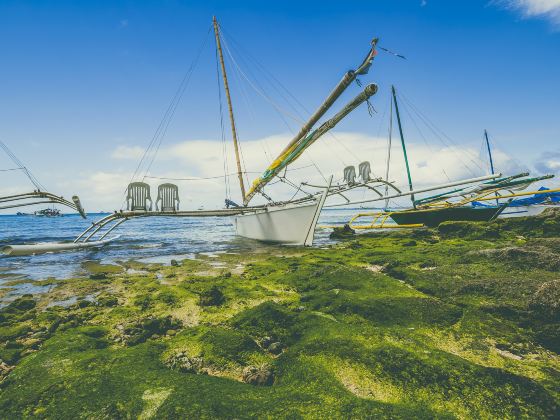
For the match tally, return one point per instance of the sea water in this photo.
(143, 239)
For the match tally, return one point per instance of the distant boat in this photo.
(48, 213)
(37, 196)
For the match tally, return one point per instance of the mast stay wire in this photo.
(432, 152)
(21, 166)
(288, 126)
(166, 119)
(495, 142)
(222, 130)
(179, 96)
(389, 146)
(440, 134)
(275, 86)
(278, 109)
(299, 117)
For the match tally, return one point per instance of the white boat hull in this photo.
(286, 224)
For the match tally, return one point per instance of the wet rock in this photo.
(211, 297)
(275, 348)
(5, 369)
(98, 276)
(410, 243)
(174, 263)
(107, 300)
(84, 303)
(32, 343)
(342, 232)
(265, 342)
(139, 331)
(258, 375)
(23, 303)
(537, 257)
(545, 302)
(184, 363)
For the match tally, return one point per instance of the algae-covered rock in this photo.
(531, 256)
(269, 320)
(344, 232)
(547, 224)
(468, 230)
(211, 297)
(137, 332)
(18, 310)
(98, 271)
(262, 375)
(107, 300)
(275, 348)
(184, 363)
(5, 369)
(546, 301)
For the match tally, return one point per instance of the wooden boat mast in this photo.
(230, 107)
(403, 144)
(490, 158)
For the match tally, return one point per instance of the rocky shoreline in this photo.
(459, 321)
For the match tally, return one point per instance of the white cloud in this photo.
(127, 152)
(203, 159)
(549, 162)
(547, 9)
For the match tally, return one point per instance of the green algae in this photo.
(428, 323)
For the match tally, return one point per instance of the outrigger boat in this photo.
(38, 195)
(289, 222)
(286, 222)
(541, 200)
(433, 210)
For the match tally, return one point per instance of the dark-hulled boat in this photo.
(432, 217)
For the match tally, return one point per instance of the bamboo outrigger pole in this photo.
(348, 78)
(230, 108)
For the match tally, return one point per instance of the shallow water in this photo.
(142, 239)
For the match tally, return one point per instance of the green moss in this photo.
(415, 324)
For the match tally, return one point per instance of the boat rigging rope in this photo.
(432, 151)
(153, 146)
(177, 99)
(255, 85)
(440, 134)
(259, 91)
(222, 129)
(21, 166)
(216, 177)
(389, 146)
(281, 112)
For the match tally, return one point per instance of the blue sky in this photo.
(85, 84)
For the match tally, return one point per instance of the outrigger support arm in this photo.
(423, 190)
(40, 197)
(348, 78)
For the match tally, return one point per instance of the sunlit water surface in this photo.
(143, 239)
